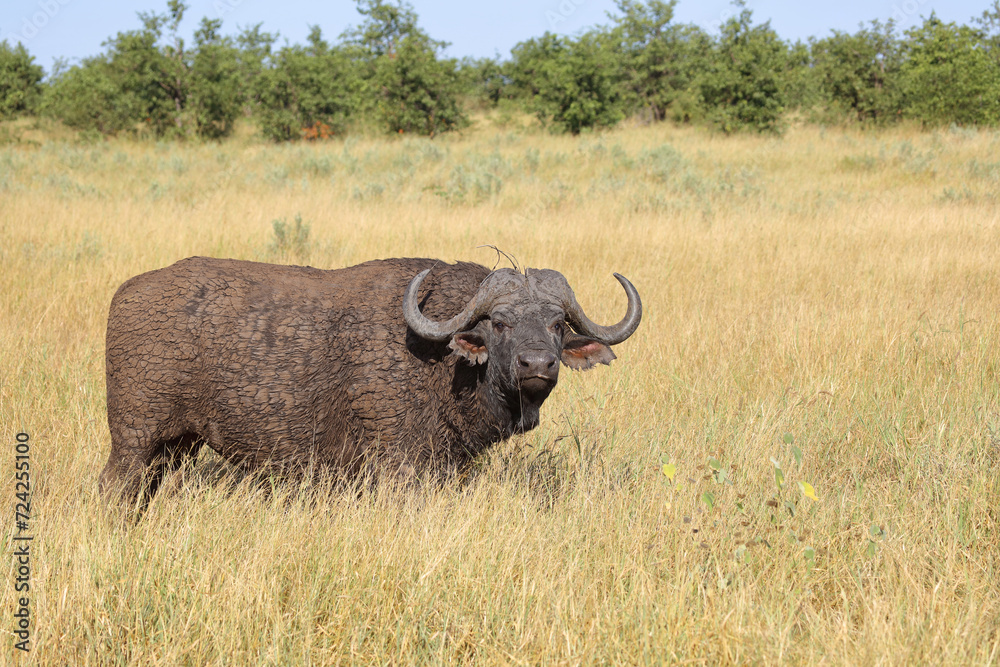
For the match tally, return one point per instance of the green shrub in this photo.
(304, 86)
(413, 90)
(417, 92)
(660, 60)
(570, 85)
(859, 74)
(19, 80)
(290, 239)
(215, 97)
(86, 97)
(742, 88)
(140, 85)
(950, 76)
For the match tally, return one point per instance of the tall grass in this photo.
(818, 305)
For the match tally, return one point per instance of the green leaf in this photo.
(714, 464)
(779, 477)
(797, 455)
(788, 438)
(871, 549)
(669, 469)
(809, 553)
(709, 499)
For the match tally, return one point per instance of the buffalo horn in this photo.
(439, 331)
(611, 335)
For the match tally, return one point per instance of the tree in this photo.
(141, 84)
(304, 87)
(949, 75)
(400, 69)
(386, 26)
(215, 95)
(20, 80)
(417, 92)
(155, 76)
(147, 78)
(483, 81)
(989, 26)
(252, 53)
(87, 97)
(801, 90)
(742, 88)
(570, 85)
(859, 73)
(659, 59)
(135, 84)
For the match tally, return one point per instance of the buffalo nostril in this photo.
(537, 362)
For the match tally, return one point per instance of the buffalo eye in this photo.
(557, 328)
(499, 326)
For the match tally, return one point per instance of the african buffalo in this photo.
(299, 367)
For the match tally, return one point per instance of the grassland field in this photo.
(820, 307)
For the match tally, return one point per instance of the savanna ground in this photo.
(826, 302)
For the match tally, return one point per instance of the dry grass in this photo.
(839, 287)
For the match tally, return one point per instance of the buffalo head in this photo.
(521, 326)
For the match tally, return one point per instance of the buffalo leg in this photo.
(139, 469)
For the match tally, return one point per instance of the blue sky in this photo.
(76, 28)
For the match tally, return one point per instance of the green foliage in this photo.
(19, 80)
(989, 26)
(483, 81)
(401, 77)
(253, 50)
(290, 239)
(142, 85)
(876, 535)
(659, 59)
(950, 76)
(304, 86)
(417, 92)
(389, 73)
(859, 73)
(570, 85)
(151, 79)
(87, 97)
(742, 88)
(386, 26)
(148, 82)
(798, 79)
(215, 94)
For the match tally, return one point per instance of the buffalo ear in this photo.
(581, 353)
(470, 345)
